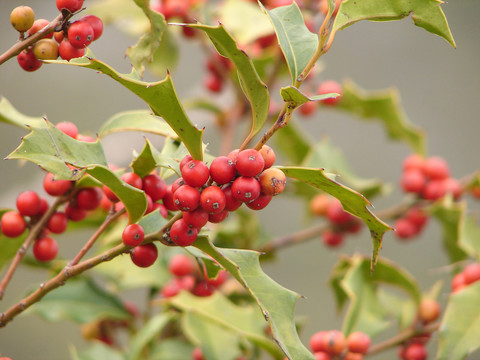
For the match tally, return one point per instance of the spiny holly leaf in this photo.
(133, 199)
(384, 105)
(10, 115)
(221, 316)
(277, 303)
(451, 215)
(143, 51)
(298, 44)
(160, 96)
(253, 87)
(147, 334)
(294, 96)
(52, 150)
(352, 201)
(469, 235)
(426, 14)
(145, 162)
(136, 120)
(460, 325)
(82, 301)
(353, 280)
(97, 351)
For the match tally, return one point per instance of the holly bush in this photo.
(182, 219)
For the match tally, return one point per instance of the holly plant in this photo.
(182, 219)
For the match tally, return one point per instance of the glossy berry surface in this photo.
(12, 224)
(45, 249)
(89, 198)
(144, 255)
(132, 179)
(154, 186)
(37, 26)
(218, 217)
(58, 222)
(22, 18)
(55, 187)
(245, 189)
(68, 52)
(75, 213)
(68, 128)
(186, 198)
(196, 218)
(133, 235)
(260, 202)
(268, 155)
(80, 34)
(96, 23)
(195, 173)
(231, 204)
(70, 5)
(27, 61)
(181, 265)
(182, 234)
(358, 342)
(46, 49)
(212, 200)
(249, 162)
(28, 203)
(222, 170)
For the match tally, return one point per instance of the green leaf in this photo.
(144, 50)
(149, 331)
(50, 148)
(220, 315)
(97, 351)
(451, 215)
(426, 14)
(172, 348)
(136, 120)
(458, 336)
(276, 302)
(292, 143)
(81, 301)
(469, 236)
(298, 44)
(352, 201)
(160, 96)
(10, 115)
(133, 199)
(253, 87)
(383, 105)
(296, 97)
(165, 58)
(145, 162)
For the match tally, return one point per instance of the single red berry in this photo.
(168, 201)
(144, 255)
(458, 282)
(45, 249)
(58, 222)
(89, 198)
(332, 238)
(133, 235)
(186, 198)
(197, 354)
(29, 203)
(405, 228)
(196, 218)
(182, 234)
(222, 170)
(436, 168)
(413, 181)
(334, 342)
(170, 289)
(428, 310)
(163, 210)
(307, 108)
(414, 162)
(245, 189)
(260, 203)
(68, 128)
(202, 289)
(358, 342)
(231, 204)
(70, 5)
(453, 186)
(150, 206)
(272, 181)
(317, 341)
(185, 160)
(59, 36)
(336, 214)
(110, 195)
(471, 273)
(321, 356)
(268, 156)
(12, 224)
(233, 155)
(154, 186)
(214, 82)
(218, 217)
(75, 213)
(96, 23)
(249, 162)
(68, 52)
(415, 351)
(212, 200)
(38, 25)
(132, 179)
(434, 190)
(327, 87)
(195, 173)
(27, 61)
(80, 34)
(219, 280)
(417, 216)
(181, 265)
(177, 183)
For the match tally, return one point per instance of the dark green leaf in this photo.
(298, 44)
(352, 201)
(469, 236)
(384, 105)
(136, 120)
(425, 13)
(81, 301)
(10, 115)
(145, 162)
(146, 335)
(460, 325)
(253, 87)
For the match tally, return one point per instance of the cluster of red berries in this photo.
(68, 43)
(469, 275)
(341, 222)
(325, 87)
(329, 344)
(218, 67)
(179, 9)
(188, 277)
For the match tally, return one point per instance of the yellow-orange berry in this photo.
(22, 18)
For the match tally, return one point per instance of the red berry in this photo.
(334, 342)
(231, 204)
(88, 198)
(260, 203)
(434, 190)
(109, 194)
(154, 186)
(29, 203)
(405, 229)
(330, 87)
(245, 189)
(44, 206)
(414, 162)
(214, 82)
(176, 184)
(197, 354)
(308, 108)
(68, 128)
(321, 356)
(38, 25)
(233, 155)
(452, 186)
(222, 170)
(249, 162)
(170, 289)
(358, 342)
(168, 199)
(268, 156)
(185, 160)
(212, 200)
(181, 234)
(27, 61)
(12, 224)
(181, 265)
(332, 238)
(186, 198)
(458, 282)
(163, 210)
(58, 222)
(133, 180)
(202, 289)
(80, 34)
(75, 213)
(70, 5)
(216, 282)
(272, 181)
(144, 255)
(45, 249)
(196, 218)
(68, 52)
(133, 235)
(218, 217)
(429, 310)
(195, 173)
(415, 351)
(96, 24)
(471, 273)
(150, 206)
(436, 168)
(413, 181)
(337, 215)
(417, 216)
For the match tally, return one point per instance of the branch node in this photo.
(22, 305)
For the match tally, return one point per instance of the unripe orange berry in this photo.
(46, 49)
(319, 204)
(429, 310)
(334, 342)
(272, 181)
(22, 18)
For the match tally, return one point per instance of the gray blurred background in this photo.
(439, 86)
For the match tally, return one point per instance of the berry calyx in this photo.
(144, 255)
(133, 235)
